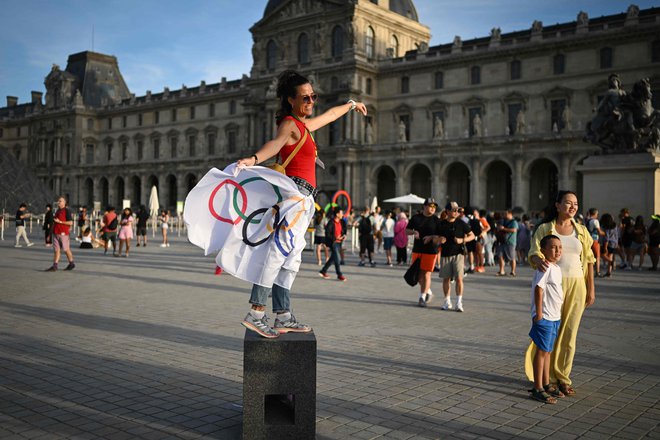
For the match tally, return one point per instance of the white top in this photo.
(388, 228)
(570, 263)
(86, 238)
(378, 221)
(553, 295)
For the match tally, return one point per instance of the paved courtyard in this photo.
(151, 347)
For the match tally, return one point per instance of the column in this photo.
(436, 188)
(401, 188)
(564, 179)
(477, 194)
(181, 189)
(348, 180)
(340, 175)
(518, 197)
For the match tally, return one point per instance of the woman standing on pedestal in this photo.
(577, 283)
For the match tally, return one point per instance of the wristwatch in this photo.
(353, 104)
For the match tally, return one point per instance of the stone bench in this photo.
(279, 386)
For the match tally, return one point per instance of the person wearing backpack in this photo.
(365, 225)
(109, 225)
(474, 247)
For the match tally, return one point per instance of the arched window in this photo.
(394, 44)
(303, 49)
(369, 42)
(475, 75)
(337, 41)
(271, 55)
(606, 58)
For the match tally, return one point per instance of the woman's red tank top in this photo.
(303, 163)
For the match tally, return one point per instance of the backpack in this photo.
(592, 230)
(365, 226)
(113, 224)
(475, 225)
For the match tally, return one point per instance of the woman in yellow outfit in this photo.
(577, 283)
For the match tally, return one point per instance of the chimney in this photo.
(12, 101)
(36, 97)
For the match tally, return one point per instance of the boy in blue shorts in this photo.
(547, 299)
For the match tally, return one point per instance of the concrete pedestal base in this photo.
(279, 386)
(615, 181)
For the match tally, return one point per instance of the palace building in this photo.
(494, 122)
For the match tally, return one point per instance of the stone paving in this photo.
(150, 347)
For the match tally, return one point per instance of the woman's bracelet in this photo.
(352, 103)
(256, 159)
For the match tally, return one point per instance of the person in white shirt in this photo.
(388, 236)
(547, 299)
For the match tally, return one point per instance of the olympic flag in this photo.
(255, 217)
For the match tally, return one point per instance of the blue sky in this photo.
(169, 43)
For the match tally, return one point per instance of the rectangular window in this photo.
(369, 86)
(475, 75)
(1, 132)
(516, 69)
(606, 58)
(439, 81)
(140, 150)
(18, 131)
(335, 132)
(109, 123)
(231, 142)
(513, 109)
(156, 148)
(89, 153)
(211, 110)
(68, 154)
(192, 139)
(232, 107)
(211, 144)
(90, 124)
(405, 84)
(655, 52)
(173, 145)
(139, 119)
(109, 151)
(124, 121)
(156, 117)
(192, 112)
(124, 151)
(559, 64)
(556, 109)
(173, 115)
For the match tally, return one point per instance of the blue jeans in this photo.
(281, 301)
(334, 258)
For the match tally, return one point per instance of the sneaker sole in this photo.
(325, 278)
(257, 331)
(292, 330)
(421, 303)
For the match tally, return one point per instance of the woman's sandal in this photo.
(553, 390)
(566, 389)
(542, 396)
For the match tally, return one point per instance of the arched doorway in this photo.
(386, 184)
(89, 193)
(543, 184)
(119, 192)
(105, 193)
(420, 181)
(136, 183)
(171, 191)
(498, 186)
(458, 184)
(191, 181)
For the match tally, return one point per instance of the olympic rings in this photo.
(296, 218)
(251, 179)
(242, 210)
(256, 212)
(341, 192)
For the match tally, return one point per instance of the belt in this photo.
(303, 184)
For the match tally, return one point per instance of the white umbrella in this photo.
(374, 204)
(154, 206)
(410, 199)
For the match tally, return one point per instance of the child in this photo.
(547, 299)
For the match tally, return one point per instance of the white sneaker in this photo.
(168, 245)
(18, 245)
(163, 245)
(459, 306)
(30, 244)
(428, 297)
(446, 305)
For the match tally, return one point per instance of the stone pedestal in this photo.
(279, 386)
(615, 181)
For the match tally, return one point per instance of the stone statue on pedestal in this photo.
(402, 131)
(625, 122)
(438, 129)
(476, 125)
(520, 122)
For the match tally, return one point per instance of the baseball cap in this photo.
(451, 206)
(430, 201)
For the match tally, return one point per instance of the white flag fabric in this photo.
(255, 217)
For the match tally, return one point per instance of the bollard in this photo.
(279, 386)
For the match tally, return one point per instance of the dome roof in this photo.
(401, 7)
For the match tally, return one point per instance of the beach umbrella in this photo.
(374, 204)
(154, 206)
(409, 199)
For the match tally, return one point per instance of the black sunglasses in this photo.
(310, 98)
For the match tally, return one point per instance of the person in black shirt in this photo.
(49, 222)
(456, 234)
(142, 218)
(21, 215)
(426, 229)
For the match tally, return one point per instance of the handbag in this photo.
(281, 168)
(412, 274)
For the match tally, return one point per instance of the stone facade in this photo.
(495, 122)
